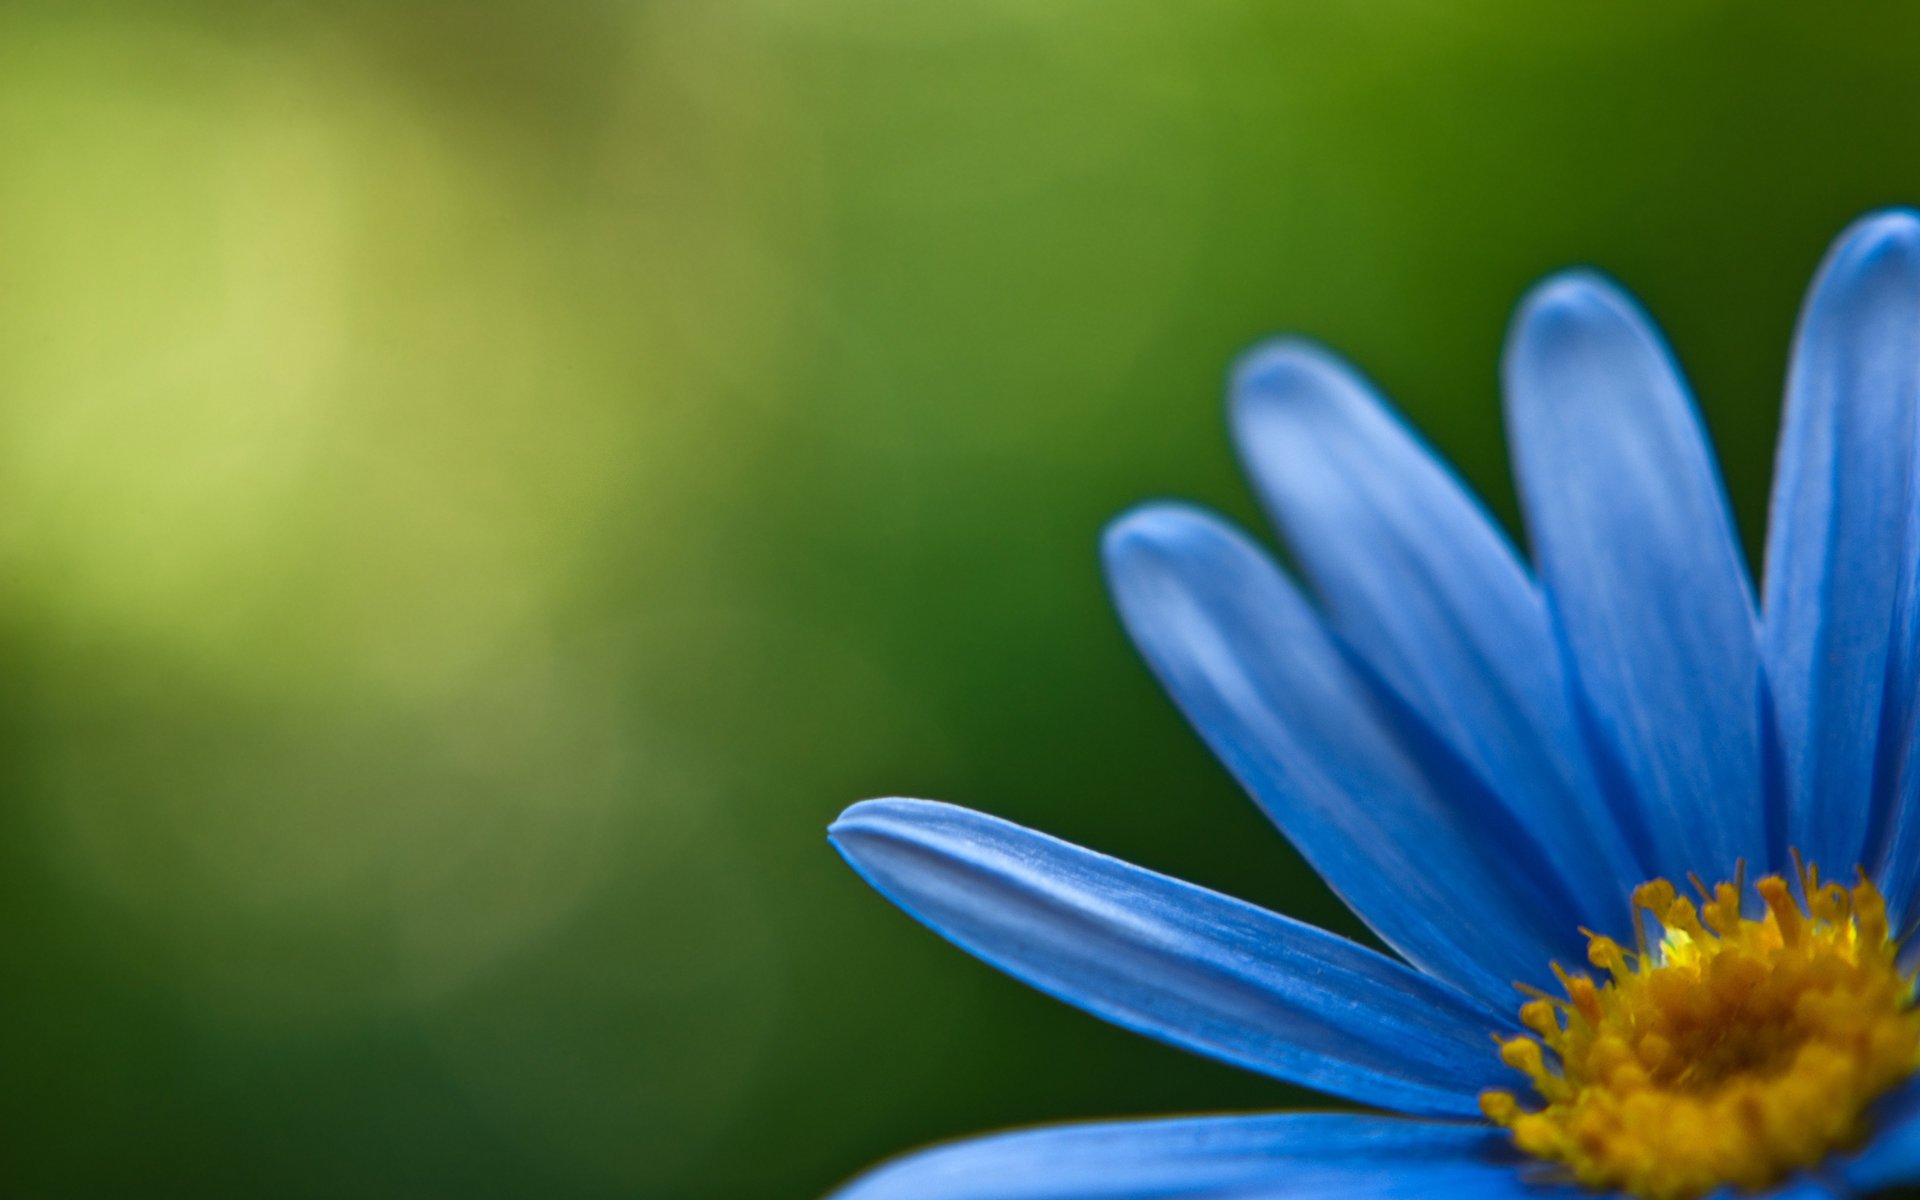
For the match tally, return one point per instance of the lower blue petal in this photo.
(1303, 1156)
(1191, 967)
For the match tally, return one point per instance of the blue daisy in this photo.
(1514, 777)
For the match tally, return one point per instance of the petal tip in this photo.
(1881, 247)
(1288, 385)
(1882, 231)
(1146, 530)
(1280, 367)
(849, 818)
(1576, 316)
(1569, 301)
(870, 816)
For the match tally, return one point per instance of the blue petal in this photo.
(1840, 505)
(1800, 1187)
(1304, 1156)
(1402, 830)
(1430, 594)
(1191, 967)
(1899, 869)
(1642, 572)
(1892, 1156)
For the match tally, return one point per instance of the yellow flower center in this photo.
(1736, 1050)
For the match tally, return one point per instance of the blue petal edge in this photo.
(1191, 967)
(1307, 1156)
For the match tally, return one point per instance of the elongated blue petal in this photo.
(1402, 830)
(1840, 509)
(1427, 590)
(1637, 554)
(1301, 1156)
(1199, 970)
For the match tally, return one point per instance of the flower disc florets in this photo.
(1734, 1051)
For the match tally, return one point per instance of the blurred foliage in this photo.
(481, 485)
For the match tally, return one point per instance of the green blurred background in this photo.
(482, 484)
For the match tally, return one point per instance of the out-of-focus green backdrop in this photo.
(482, 484)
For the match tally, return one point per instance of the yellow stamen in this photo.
(1731, 1051)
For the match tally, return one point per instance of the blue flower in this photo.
(1488, 764)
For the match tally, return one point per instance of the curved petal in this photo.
(1304, 1156)
(1191, 967)
(1427, 590)
(1395, 824)
(1840, 508)
(1642, 572)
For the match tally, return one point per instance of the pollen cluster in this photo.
(1733, 1050)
